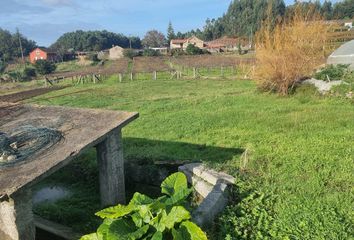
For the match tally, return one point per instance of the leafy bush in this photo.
(177, 52)
(93, 57)
(332, 72)
(150, 52)
(193, 50)
(145, 218)
(130, 53)
(2, 66)
(29, 72)
(44, 67)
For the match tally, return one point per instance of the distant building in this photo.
(349, 25)
(183, 43)
(161, 50)
(227, 44)
(115, 53)
(41, 53)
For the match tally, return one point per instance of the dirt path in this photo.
(19, 96)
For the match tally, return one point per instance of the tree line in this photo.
(12, 43)
(244, 17)
(94, 41)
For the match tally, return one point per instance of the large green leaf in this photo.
(137, 219)
(157, 236)
(116, 211)
(194, 231)
(176, 215)
(178, 196)
(125, 229)
(92, 236)
(180, 234)
(140, 199)
(174, 183)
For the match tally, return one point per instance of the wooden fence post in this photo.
(194, 72)
(155, 75)
(120, 77)
(131, 76)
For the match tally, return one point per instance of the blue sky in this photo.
(45, 20)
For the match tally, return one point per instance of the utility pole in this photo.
(19, 39)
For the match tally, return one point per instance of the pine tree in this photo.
(170, 32)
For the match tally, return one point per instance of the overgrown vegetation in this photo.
(150, 53)
(166, 217)
(289, 51)
(130, 53)
(44, 67)
(332, 72)
(193, 50)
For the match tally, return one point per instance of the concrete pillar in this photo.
(16, 217)
(111, 169)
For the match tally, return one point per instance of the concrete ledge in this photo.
(56, 228)
(212, 186)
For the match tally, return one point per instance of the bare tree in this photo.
(154, 38)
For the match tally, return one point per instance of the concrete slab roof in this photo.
(81, 129)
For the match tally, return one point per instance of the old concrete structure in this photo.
(213, 188)
(343, 55)
(82, 129)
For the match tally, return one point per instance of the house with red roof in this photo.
(183, 43)
(42, 53)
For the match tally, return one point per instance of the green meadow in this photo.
(293, 157)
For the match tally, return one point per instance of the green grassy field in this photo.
(296, 179)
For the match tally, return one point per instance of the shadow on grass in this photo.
(149, 151)
(81, 177)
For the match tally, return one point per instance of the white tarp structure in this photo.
(343, 55)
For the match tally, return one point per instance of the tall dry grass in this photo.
(289, 51)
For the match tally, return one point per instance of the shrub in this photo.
(193, 50)
(150, 52)
(289, 51)
(44, 67)
(93, 57)
(2, 66)
(332, 72)
(177, 52)
(29, 72)
(130, 53)
(144, 218)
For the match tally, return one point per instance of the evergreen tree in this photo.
(327, 10)
(170, 32)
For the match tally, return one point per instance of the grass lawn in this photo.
(297, 176)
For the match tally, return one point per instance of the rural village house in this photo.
(114, 53)
(183, 43)
(42, 53)
(226, 44)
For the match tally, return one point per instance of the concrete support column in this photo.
(16, 217)
(111, 169)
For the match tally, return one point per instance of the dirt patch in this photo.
(20, 96)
